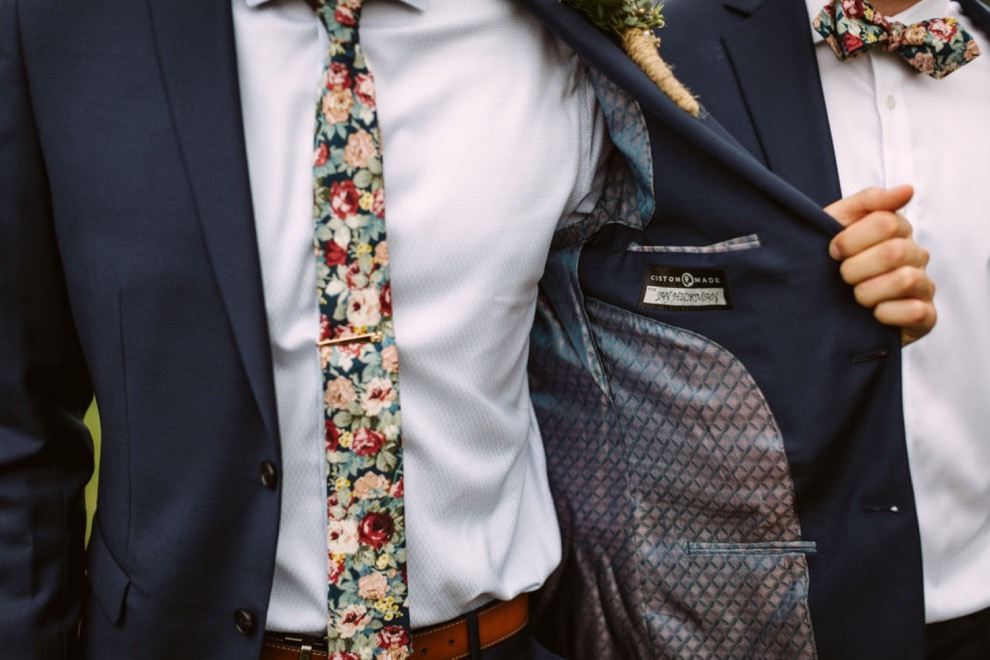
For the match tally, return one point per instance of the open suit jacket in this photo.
(732, 480)
(753, 65)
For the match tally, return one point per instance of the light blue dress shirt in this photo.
(492, 139)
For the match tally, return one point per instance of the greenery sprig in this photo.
(634, 22)
(620, 15)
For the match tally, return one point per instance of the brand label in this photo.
(685, 289)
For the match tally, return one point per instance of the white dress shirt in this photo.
(491, 139)
(891, 125)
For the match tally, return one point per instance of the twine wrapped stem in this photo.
(643, 46)
(634, 22)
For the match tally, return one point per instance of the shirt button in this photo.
(269, 475)
(244, 622)
(890, 102)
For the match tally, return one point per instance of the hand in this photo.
(881, 261)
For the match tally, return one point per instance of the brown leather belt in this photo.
(444, 641)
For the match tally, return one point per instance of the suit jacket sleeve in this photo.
(45, 450)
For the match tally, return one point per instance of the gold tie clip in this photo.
(377, 336)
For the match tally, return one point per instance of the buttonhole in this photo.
(869, 357)
(881, 508)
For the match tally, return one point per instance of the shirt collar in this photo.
(421, 5)
(922, 10)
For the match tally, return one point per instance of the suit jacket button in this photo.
(269, 475)
(245, 623)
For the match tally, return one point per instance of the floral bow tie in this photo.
(935, 47)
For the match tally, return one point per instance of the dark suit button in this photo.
(269, 475)
(245, 623)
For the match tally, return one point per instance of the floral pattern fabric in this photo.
(935, 47)
(366, 558)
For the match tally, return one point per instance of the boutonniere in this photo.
(634, 22)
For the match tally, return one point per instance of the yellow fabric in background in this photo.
(93, 422)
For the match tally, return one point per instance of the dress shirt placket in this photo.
(896, 143)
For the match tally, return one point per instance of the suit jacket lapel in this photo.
(195, 44)
(708, 136)
(785, 100)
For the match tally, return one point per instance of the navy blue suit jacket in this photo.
(129, 268)
(666, 427)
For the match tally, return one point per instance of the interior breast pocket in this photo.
(721, 290)
(738, 244)
(691, 278)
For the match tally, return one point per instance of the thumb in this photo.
(856, 207)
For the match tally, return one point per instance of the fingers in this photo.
(914, 317)
(882, 257)
(849, 210)
(902, 298)
(869, 217)
(906, 282)
(881, 261)
(873, 229)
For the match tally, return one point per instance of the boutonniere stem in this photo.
(634, 22)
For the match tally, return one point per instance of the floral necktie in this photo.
(368, 614)
(936, 47)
